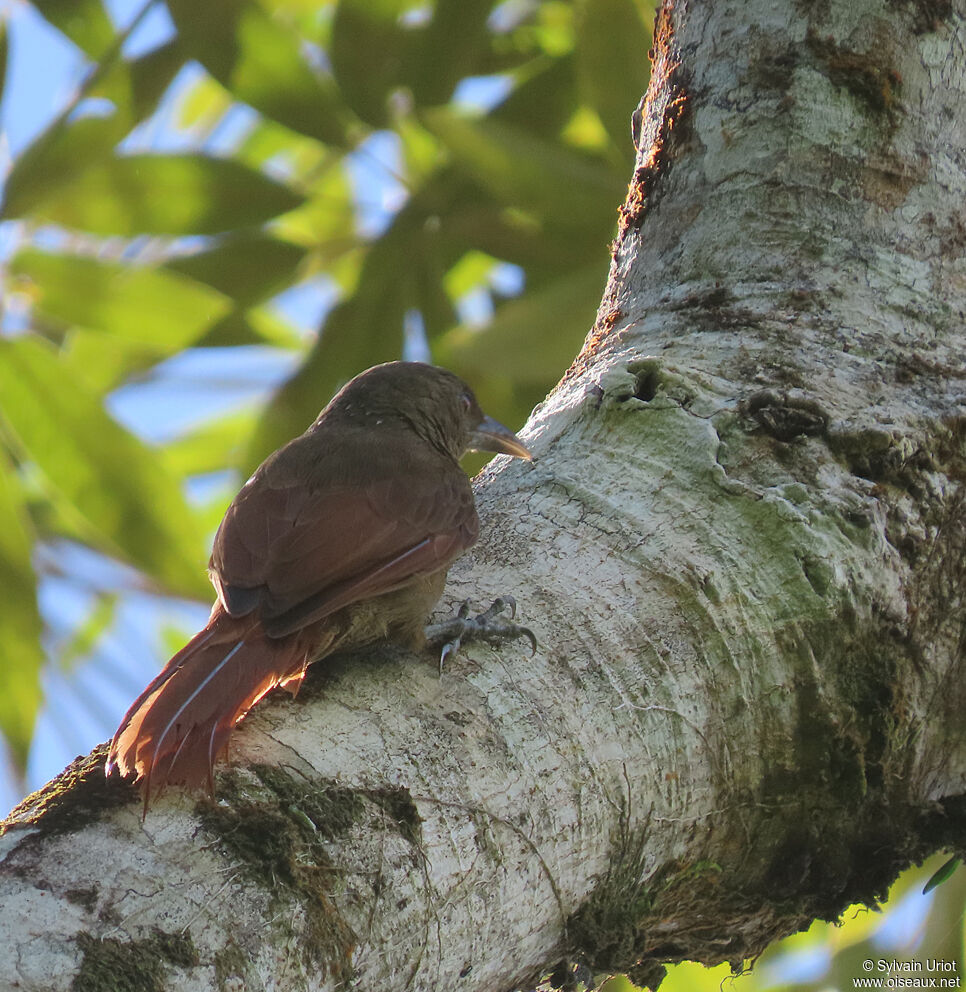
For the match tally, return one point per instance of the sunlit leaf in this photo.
(72, 143)
(586, 131)
(421, 150)
(261, 62)
(326, 222)
(159, 308)
(619, 983)
(259, 325)
(249, 268)
(20, 623)
(104, 361)
(555, 28)
(203, 104)
(97, 473)
(358, 332)
(472, 270)
(56, 159)
(692, 977)
(132, 87)
(160, 194)
(296, 156)
(367, 327)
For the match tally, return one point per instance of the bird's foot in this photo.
(488, 626)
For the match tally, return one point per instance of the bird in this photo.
(340, 539)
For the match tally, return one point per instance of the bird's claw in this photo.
(451, 634)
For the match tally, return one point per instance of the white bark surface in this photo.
(741, 545)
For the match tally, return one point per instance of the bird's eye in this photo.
(467, 402)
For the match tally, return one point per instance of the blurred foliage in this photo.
(911, 927)
(126, 253)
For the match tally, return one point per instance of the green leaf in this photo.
(160, 194)
(260, 61)
(85, 22)
(98, 474)
(258, 325)
(150, 76)
(534, 174)
(361, 331)
(212, 447)
(203, 105)
(367, 50)
(89, 631)
(161, 309)
(20, 623)
(470, 272)
(4, 55)
(326, 222)
(102, 361)
(448, 49)
(533, 337)
(71, 144)
(940, 876)
(58, 157)
(613, 68)
(367, 327)
(301, 158)
(248, 267)
(544, 98)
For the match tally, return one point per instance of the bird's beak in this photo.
(491, 435)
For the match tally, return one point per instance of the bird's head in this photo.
(435, 403)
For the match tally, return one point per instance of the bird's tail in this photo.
(177, 727)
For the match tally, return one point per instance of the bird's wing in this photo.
(301, 545)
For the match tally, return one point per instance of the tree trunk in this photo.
(741, 544)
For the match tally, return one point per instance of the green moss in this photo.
(277, 831)
(606, 929)
(230, 962)
(278, 839)
(86, 898)
(928, 15)
(332, 810)
(111, 965)
(79, 795)
(867, 76)
(398, 805)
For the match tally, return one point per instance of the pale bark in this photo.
(741, 545)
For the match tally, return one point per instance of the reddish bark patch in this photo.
(667, 97)
(599, 333)
(659, 156)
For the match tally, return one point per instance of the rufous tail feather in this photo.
(177, 727)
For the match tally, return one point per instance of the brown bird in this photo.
(341, 538)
